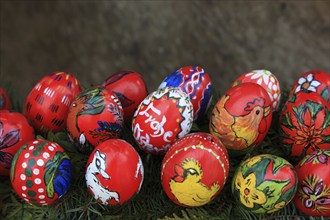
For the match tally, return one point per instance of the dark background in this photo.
(94, 39)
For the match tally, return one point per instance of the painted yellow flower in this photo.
(253, 161)
(277, 207)
(249, 195)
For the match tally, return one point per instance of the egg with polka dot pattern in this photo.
(194, 170)
(40, 172)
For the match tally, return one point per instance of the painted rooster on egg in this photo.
(242, 117)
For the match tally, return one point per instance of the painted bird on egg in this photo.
(187, 187)
(95, 116)
(242, 117)
(194, 81)
(194, 170)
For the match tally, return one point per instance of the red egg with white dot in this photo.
(267, 80)
(40, 172)
(194, 170)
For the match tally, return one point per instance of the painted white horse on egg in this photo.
(98, 166)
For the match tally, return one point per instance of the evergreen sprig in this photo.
(151, 202)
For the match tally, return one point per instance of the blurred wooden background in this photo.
(94, 39)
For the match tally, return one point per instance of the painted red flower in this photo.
(306, 128)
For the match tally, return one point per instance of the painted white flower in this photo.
(261, 75)
(307, 83)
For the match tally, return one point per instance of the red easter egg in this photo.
(4, 100)
(14, 132)
(267, 80)
(130, 88)
(114, 172)
(96, 115)
(41, 172)
(194, 81)
(48, 103)
(162, 117)
(305, 123)
(242, 117)
(313, 195)
(194, 170)
(313, 81)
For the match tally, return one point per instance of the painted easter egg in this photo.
(14, 132)
(48, 103)
(162, 117)
(96, 115)
(313, 194)
(114, 172)
(130, 88)
(313, 81)
(4, 100)
(264, 183)
(242, 117)
(41, 172)
(305, 124)
(194, 81)
(194, 170)
(267, 80)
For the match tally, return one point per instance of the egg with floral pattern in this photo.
(41, 172)
(194, 170)
(4, 100)
(267, 80)
(242, 117)
(162, 117)
(313, 81)
(305, 124)
(114, 172)
(48, 103)
(14, 132)
(313, 194)
(130, 88)
(194, 81)
(96, 115)
(264, 183)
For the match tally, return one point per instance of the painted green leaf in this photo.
(298, 112)
(14, 161)
(50, 169)
(279, 164)
(273, 191)
(286, 121)
(314, 108)
(326, 122)
(292, 99)
(326, 138)
(325, 93)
